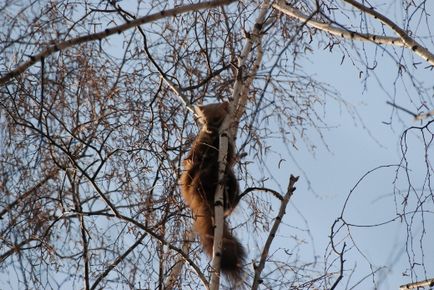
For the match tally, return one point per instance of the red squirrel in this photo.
(199, 183)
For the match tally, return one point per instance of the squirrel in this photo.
(199, 183)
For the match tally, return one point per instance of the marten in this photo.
(199, 183)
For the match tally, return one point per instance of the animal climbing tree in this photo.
(97, 114)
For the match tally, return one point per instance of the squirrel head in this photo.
(211, 116)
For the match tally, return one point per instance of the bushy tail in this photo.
(233, 253)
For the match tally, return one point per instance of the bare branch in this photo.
(218, 207)
(417, 117)
(109, 31)
(329, 28)
(272, 191)
(341, 271)
(29, 192)
(117, 261)
(416, 285)
(160, 239)
(254, 37)
(408, 41)
(402, 109)
(176, 271)
(227, 131)
(83, 230)
(404, 40)
(260, 266)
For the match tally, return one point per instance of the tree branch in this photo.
(416, 285)
(83, 230)
(239, 91)
(272, 191)
(218, 207)
(157, 237)
(117, 261)
(259, 267)
(329, 28)
(341, 271)
(29, 192)
(404, 40)
(227, 131)
(176, 271)
(402, 109)
(107, 32)
(408, 41)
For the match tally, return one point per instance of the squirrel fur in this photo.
(199, 183)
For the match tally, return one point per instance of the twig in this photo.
(425, 283)
(341, 32)
(403, 39)
(408, 41)
(417, 117)
(176, 271)
(72, 177)
(50, 175)
(402, 109)
(272, 191)
(341, 271)
(107, 32)
(117, 261)
(260, 266)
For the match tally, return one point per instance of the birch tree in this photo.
(96, 116)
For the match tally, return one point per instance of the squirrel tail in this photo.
(233, 254)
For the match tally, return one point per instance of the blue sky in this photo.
(357, 146)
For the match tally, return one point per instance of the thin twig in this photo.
(341, 271)
(260, 266)
(417, 117)
(403, 39)
(402, 109)
(272, 191)
(408, 41)
(29, 192)
(176, 271)
(117, 261)
(62, 45)
(341, 32)
(416, 285)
